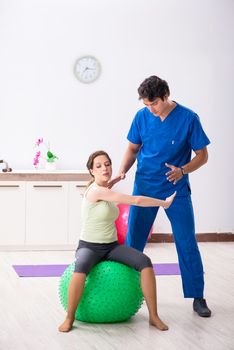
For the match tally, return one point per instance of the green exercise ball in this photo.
(112, 293)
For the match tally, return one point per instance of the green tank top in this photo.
(98, 221)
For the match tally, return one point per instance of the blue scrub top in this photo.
(170, 141)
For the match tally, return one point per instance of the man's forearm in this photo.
(128, 161)
(200, 159)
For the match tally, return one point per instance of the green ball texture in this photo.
(112, 293)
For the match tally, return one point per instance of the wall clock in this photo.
(87, 69)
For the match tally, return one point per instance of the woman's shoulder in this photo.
(94, 192)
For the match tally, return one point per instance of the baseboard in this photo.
(201, 237)
(37, 247)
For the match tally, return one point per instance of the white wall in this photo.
(188, 43)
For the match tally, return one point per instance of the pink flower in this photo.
(49, 156)
(36, 158)
(39, 141)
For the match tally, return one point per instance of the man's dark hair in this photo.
(153, 87)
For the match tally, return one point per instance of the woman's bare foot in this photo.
(66, 326)
(156, 322)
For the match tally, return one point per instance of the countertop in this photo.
(45, 175)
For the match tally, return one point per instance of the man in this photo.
(162, 137)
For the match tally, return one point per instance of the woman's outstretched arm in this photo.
(105, 194)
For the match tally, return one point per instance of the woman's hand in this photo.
(169, 200)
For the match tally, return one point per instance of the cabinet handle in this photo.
(80, 186)
(9, 186)
(47, 186)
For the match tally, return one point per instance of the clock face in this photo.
(87, 69)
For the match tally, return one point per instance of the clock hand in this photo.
(88, 68)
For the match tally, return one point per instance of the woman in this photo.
(98, 240)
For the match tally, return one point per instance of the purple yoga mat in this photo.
(58, 269)
(39, 270)
(166, 269)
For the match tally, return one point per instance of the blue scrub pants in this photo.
(181, 217)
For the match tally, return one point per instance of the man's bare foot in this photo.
(66, 326)
(156, 322)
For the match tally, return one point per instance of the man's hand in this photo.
(174, 175)
(116, 179)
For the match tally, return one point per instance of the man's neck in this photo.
(169, 106)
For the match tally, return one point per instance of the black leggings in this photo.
(89, 254)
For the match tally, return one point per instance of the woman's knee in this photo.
(85, 260)
(144, 262)
(83, 267)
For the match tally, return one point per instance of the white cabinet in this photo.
(46, 213)
(40, 214)
(12, 213)
(76, 191)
